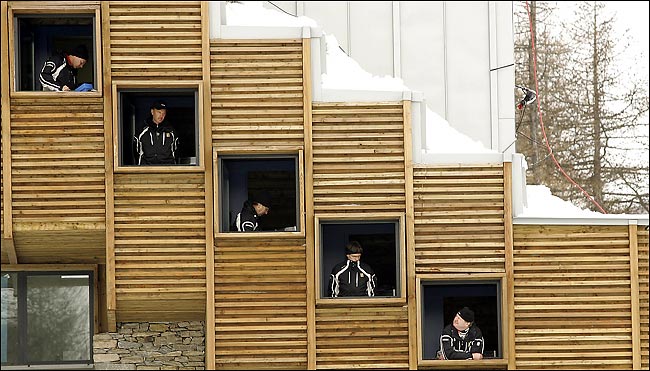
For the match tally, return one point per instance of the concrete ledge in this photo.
(614, 219)
(479, 159)
(268, 32)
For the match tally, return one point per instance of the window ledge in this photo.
(135, 169)
(260, 234)
(56, 94)
(362, 300)
(464, 364)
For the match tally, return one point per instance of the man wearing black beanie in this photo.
(59, 73)
(462, 339)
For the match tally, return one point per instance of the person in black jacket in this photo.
(462, 339)
(352, 277)
(157, 143)
(247, 219)
(59, 73)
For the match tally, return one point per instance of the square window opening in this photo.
(135, 113)
(40, 37)
(381, 243)
(243, 177)
(441, 300)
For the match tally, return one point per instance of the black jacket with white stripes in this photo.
(350, 278)
(461, 345)
(56, 74)
(156, 144)
(246, 220)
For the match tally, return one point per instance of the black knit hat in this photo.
(159, 104)
(466, 314)
(263, 198)
(80, 51)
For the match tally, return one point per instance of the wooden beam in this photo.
(9, 246)
(634, 290)
(111, 299)
(7, 227)
(309, 203)
(410, 238)
(206, 131)
(509, 329)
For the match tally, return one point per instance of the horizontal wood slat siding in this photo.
(642, 240)
(160, 246)
(57, 153)
(260, 304)
(257, 93)
(358, 157)
(155, 40)
(58, 197)
(459, 213)
(362, 336)
(572, 297)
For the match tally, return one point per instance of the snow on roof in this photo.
(344, 72)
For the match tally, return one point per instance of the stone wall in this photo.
(151, 346)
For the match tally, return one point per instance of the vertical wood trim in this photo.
(9, 41)
(111, 300)
(634, 290)
(99, 76)
(7, 228)
(207, 158)
(509, 329)
(309, 204)
(410, 237)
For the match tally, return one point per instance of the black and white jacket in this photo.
(156, 144)
(460, 345)
(246, 220)
(350, 278)
(56, 74)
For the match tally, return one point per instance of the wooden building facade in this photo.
(570, 296)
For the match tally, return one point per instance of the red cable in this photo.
(539, 111)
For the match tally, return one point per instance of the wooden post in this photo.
(111, 299)
(411, 288)
(634, 291)
(309, 204)
(209, 196)
(509, 329)
(7, 228)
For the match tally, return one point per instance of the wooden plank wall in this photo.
(459, 208)
(155, 41)
(260, 303)
(160, 246)
(257, 93)
(260, 282)
(358, 167)
(572, 297)
(159, 216)
(58, 198)
(358, 158)
(644, 308)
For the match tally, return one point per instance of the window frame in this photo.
(163, 86)
(460, 279)
(400, 238)
(93, 307)
(37, 8)
(256, 154)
